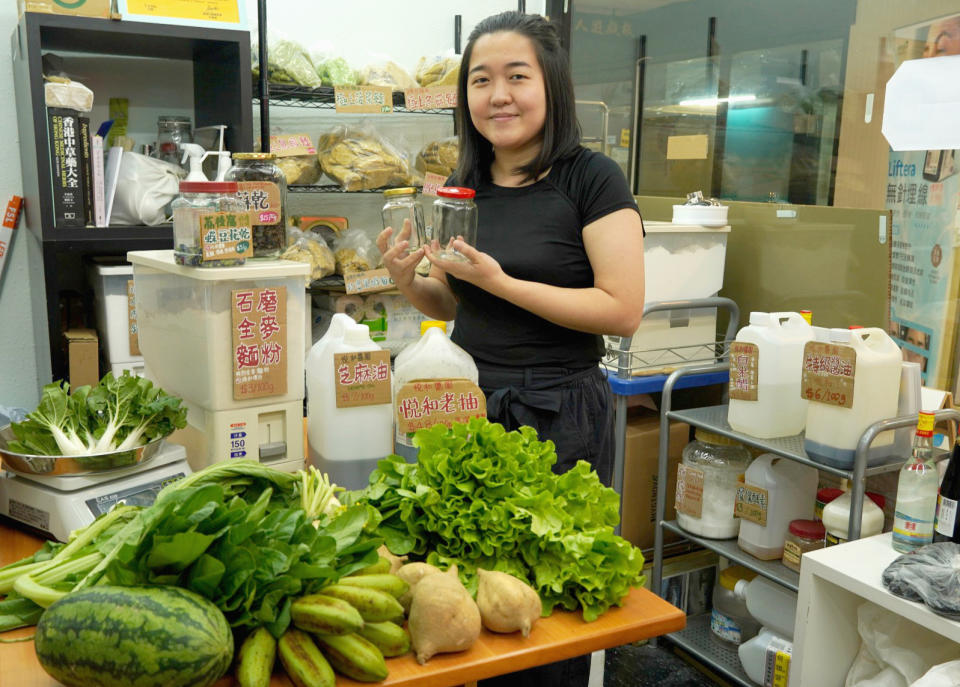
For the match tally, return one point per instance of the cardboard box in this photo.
(640, 478)
(83, 357)
(83, 8)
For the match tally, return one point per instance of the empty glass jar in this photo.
(172, 132)
(454, 217)
(401, 205)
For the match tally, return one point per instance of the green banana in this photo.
(374, 606)
(325, 615)
(381, 566)
(355, 657)
(303, 661)
(390, 638)
(385, 582)
(257, 654)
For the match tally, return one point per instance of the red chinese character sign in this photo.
(362, 378)
(259, 342)
(426, 403)
(828, 373)
(431, 98)
(744, 359)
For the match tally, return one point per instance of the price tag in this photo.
(292, 145)
(132, 330)
(430, 98)
(689, 496)
(744, 360)
(259, 342)
(751, 504)
(363, 99)
(828, 373)
(262, 200)
(369, 281)
(225, 235)
(362, 378)
(431, 182)
(426, 403)
(624, 138)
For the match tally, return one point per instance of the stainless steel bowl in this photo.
(72, 466)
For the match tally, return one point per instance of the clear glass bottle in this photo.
(401, 205)
(263, 191)
(198, 201)
(172, 132)
(711, 467)
(917, 492)
(454, 217)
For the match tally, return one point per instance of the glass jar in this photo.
(263, 191)
(802, 536)
(402, 205)
(172, 132)
(711, 468)
(204, 207)
(454, 217)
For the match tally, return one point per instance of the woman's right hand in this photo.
(400, 264)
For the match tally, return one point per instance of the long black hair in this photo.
(561, 131)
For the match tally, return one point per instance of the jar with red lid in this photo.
(454, 217)
(824, 496)
(802, 536)
(211, 227)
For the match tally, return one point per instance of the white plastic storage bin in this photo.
(185, 319)
(109, 281)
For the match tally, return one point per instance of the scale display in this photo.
(139, 495)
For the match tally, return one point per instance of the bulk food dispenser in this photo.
(229, 341)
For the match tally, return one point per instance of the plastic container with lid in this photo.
(836, 517)
(196, 213)
(311, 366)
(767, 362)
(772, 605)
(454, 217)
(262, 187)
(802, 536)
(730, 621)
(116, 315)
(758, 656)
(711, 467)
(402, 205)
(824, 496)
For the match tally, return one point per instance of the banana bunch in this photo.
(347, 627)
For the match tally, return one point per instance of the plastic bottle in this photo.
(779, 409)
(195, 153)
(729, 619)
(771, 605)
(917, 492)
(311, 369)
(836, 518)
(346, 443)
(791, 493)
(754, 655)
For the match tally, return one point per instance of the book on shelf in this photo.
(85, 143)
(66, 167)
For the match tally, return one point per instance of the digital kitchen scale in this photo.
(57, 505)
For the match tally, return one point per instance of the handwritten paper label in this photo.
(425, 403)
(363, 99)
(828, 373)
(431, 182)
(369, 281)
(689, 496)
(744, 358)
(292, 145)
(225, 235)
(751, 504)
(262, 200)
(430, 98)
(132, 330)
(362, 378)
(259, 342)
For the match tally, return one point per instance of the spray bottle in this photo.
(195, 153)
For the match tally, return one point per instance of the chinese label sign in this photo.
(431, 182)
(776, 670)
(363, 99)
(132, 330)
(689, 496)
(744, 359)
(9, 224)
(225, 235)
(368, 281)
(828, 374)
(259, 342)
(435, 98)
(751, 504)
(426, 403)
(262, 200)
(362, 378)
(289, 146)
(603, 26)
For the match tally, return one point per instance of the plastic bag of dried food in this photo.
(439, 157)
(931, 575)
(291, 64)
(355, 252)
(308, 247)
(359, 159)
(439, 70)
(301, 169)
(387, 73)
(334, 70)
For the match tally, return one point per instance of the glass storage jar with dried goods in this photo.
(211, 227)
(262, 187)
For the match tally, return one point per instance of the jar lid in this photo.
(429, 324)
(828, 494)
(254, 156)
(208, 187)
(808, 529)
(173, 119)
(730, 576)
(711, 438)
(403, 191)
(456, 192)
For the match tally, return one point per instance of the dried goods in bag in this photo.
(355, 252)
(387, 73)
(438, 70)
(359, 159)
(308, 247)
(439, 157)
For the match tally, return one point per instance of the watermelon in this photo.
(134, 637)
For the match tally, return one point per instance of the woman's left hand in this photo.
(481, 270)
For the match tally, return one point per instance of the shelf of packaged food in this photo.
(283, 95)
(698, 640)
(728, 548)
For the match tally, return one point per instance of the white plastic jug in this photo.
(755, 654)
(770, 604)
(311, 366)
(832, 431)
(346, 443)
(791, 490)
(779, 409)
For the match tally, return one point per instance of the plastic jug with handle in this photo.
(833, 431)
(765, 373)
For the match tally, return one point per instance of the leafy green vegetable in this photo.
(480, 496)
(118, 414)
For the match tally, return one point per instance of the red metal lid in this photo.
(208, 187)
(456, 192)
(878, 499)
(808, 529)
(828, 494)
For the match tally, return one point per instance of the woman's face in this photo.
(506, 95)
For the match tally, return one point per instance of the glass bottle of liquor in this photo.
(917, 492)
(947, 525)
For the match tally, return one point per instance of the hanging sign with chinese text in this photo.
(292, 145)
(225, 235)
(132, 329)
(828, 373)
(363, 99)
(430, 98)
(362, 378)
(368, 281)
(425, 403)
(744, 360)
(259, 342)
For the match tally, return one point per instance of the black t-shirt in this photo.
(535, 232)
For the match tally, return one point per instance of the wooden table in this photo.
(562, 635)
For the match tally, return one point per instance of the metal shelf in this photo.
(698, 640)
(651, 384)
(728, 548)
(327, 188)
(284, 95)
